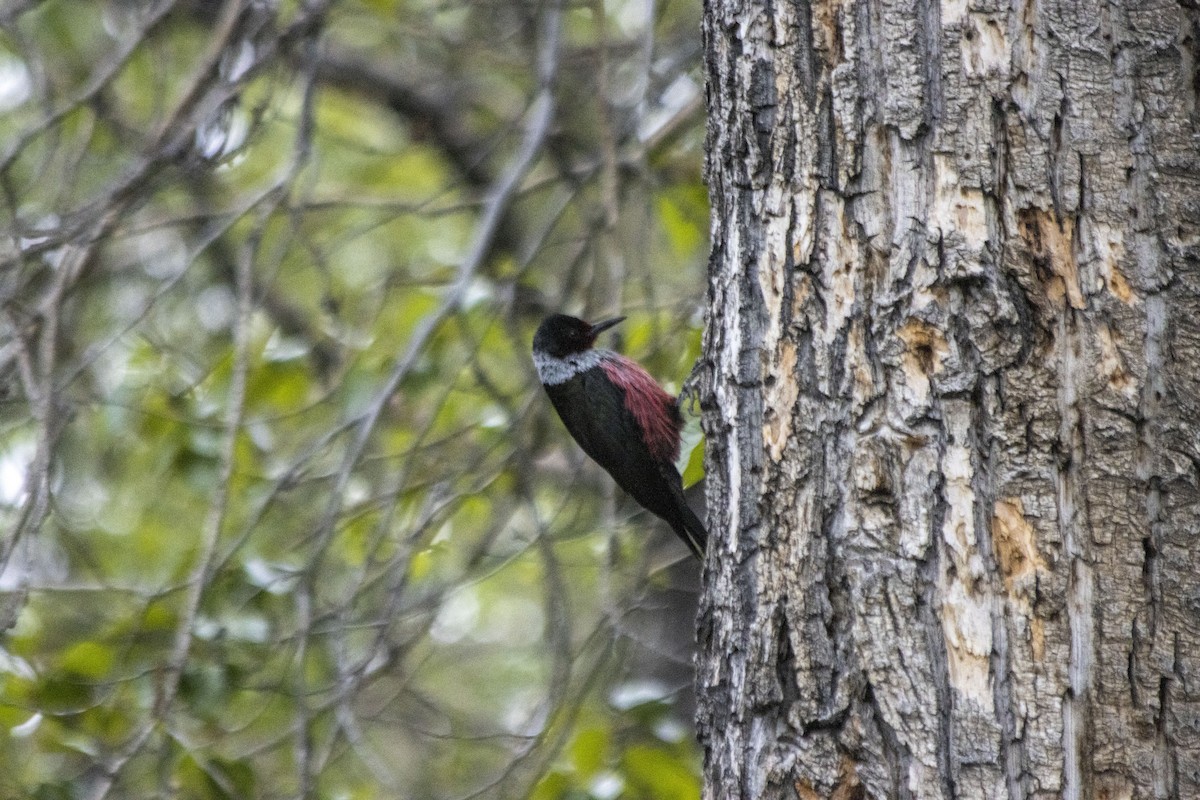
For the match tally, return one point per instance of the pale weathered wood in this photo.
(954, 400)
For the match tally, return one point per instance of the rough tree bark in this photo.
(954, 400)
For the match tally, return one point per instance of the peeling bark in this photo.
(954, 406)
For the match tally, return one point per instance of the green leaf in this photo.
(683, 212)
(588, 750)
(552, 786)
(659, 774)
(88, 660)
(693, 473)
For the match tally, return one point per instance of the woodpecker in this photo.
(620, 417)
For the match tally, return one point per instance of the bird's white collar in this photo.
(553, 371)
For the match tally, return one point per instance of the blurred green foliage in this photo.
(236, 564)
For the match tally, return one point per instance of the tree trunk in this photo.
(954, 406)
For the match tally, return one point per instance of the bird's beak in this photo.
(601, 327)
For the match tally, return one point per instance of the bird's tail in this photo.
(692, 531)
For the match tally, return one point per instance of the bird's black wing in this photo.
(593, 409)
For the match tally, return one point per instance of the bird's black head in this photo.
(560, 335)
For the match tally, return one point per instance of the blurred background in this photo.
(284, 510)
